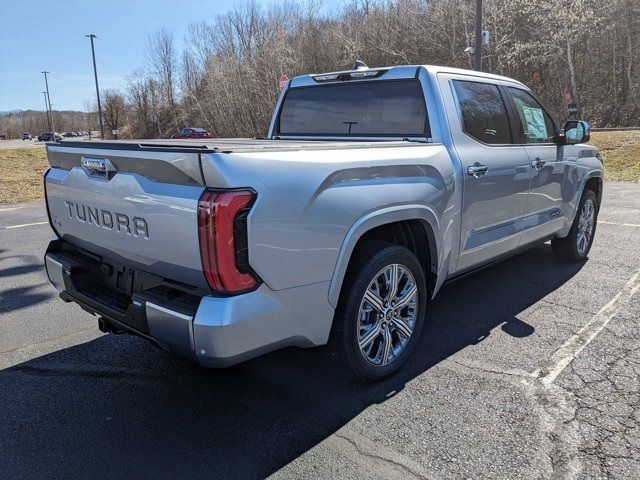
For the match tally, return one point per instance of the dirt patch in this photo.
(621, 152)
(21, 173)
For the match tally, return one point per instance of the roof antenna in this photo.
(359, 65)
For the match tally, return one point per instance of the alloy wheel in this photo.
(387, 314)
(586, 222)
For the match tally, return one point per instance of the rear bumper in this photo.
(215, 331)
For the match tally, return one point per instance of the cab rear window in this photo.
(382, 108)
(484, 114)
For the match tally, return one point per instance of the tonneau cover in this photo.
(230, 145)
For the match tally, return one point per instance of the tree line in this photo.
(224, 77)
(12, 124)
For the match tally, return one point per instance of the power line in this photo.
(477, 53)
(95, 74)
(48, 99)
(46, 107)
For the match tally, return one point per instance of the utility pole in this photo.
(46, 107)
(477, 53)
(48, 99)
(95, 74)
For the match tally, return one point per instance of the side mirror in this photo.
(576, 131)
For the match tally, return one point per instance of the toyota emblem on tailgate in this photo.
(98, 167)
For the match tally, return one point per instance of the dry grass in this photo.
(21, 169)
(621, 151)
(21, 174)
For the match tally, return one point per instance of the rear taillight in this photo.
(222, 231)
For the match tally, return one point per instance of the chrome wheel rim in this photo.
(387, 315)
(586, 223)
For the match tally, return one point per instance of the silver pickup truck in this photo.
(374, 187)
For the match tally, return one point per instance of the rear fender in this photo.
(384, 217)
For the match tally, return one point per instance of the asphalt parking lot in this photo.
(529, 369)
(33, 143)
(16, 143)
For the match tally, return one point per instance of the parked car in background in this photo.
(3, 136)
(26, 135)
(192, 132)
(49, 137)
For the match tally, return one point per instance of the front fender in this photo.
(587, 167)
(385, 216)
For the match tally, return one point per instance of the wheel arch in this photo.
(593, 182)
(414, 226)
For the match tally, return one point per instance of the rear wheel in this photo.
(381, 314)
(575, 246)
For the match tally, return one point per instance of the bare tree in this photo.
(114, 108)
(226, 77)
(162, 63)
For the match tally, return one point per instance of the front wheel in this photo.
(575, 246)
(381, 312)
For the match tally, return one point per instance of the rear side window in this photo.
(358, 109)
(537, 126)
(484, 115)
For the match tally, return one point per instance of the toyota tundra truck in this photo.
(373, 187)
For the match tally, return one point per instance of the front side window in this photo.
(384, 108)
(484, 115)
(537, 126)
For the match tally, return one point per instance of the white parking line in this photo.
(572, 347)
(621, 224)
(9, 209)
(26, 225)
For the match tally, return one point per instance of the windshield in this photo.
(382, 108)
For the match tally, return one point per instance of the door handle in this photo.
(477, 170)
(538, 163)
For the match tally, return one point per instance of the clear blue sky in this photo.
(38, 35)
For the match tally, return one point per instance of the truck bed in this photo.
(136, 203)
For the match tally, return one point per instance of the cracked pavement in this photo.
(472, 403)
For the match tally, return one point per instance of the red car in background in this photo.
(192, 132)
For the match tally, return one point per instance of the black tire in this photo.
(566, 249)
(370, 259)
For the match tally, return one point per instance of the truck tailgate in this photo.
(134, 206)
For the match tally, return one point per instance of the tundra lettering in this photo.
(104, 218)
(372, 188)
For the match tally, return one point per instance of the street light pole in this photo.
(477, 53)
(46, 107)
(95, 74)
(48, 99)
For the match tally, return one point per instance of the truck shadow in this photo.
(15, 298)
(117, 407)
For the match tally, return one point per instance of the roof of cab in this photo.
(398, 72)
